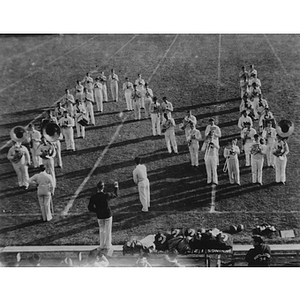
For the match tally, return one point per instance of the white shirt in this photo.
(154, 108)
(194, 137)
(257, 155)
(167, 107)
(14, 158)
(243, 120)
(113, 78)
(35, 135)
(232, 152)
(127, 87)
(269, 134)
(139, 82)
(248, 134)
(148, 93)
(216, 132)
(66, 122)
(89, 97)
(44, 182)
(139, 173)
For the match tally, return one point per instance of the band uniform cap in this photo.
(211, 119)
(257, 238)
(164, 98)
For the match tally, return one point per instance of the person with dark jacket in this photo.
(99, 203)
(260, 255)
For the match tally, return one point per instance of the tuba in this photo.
(19, 134)
(51, 131)
(285, 128)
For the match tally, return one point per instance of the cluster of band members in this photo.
(77, 111)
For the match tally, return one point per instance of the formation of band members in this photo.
(268, 140)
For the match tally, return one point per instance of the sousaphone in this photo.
(285, 128)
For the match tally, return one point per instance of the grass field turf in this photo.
(188, 75)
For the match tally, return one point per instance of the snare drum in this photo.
(82, 120)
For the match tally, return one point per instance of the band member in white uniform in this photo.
(231, 152)
(113, 78)
(258, 150)
(140, 83)
(243, 76)
(247, 136)
(155, 116)
(79, 90)
(166, 108)
(89, 101)
(88, 83)
(193, 142)
(19, 157)
(211, 161)
(34, 142)
(47, 152)
(45, 192)
(136, 101)
(98, 94)
(80, 111)
(67, 123)
(103, 81)
(168, 128)
(148, 100)
(252, 70)
(128, 89)
(265, 117)
(213, 133)
(269, 134)
(140, 178)
(69, 102)
(58, 111)
(280, 151)
(188, 120)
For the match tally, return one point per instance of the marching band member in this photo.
(244, 118)
(47, 152)
(79, 90)
(136, 101)
(140, 83)
(69, 102)
(35, 141)
(252, 70)
(80, 112)
(168, 128)
(128, 89)
(88, 82)
(187, 122)
(231, 152)
(166, 107)
(20, 159)
(155, 116)
(98, 94)
(258, 150)
(265, 117)
(140, 178)
(247, 135)
(280, 151)
(103, 81)
(243, 76)
(246, 104)
(58, 111)
(211, 161)
(193, 142)
(89, 101)
(213, 133)
(67, 123)
(253, 78)
(269, 134)
(262, 104)
(254, 92)
(148, 100)
(113, 78)
(45, 192)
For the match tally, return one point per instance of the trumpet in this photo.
(225, 167)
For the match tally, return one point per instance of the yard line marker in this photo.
(43, 68)
(40, 115)
(87, 178)
(213, 188)
(279, 60)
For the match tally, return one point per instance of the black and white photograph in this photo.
(149, 148)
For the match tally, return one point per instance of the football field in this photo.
(197, 72)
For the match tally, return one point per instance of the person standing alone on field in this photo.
(140, 178)
(99, 203)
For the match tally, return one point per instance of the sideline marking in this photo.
(87, 178)
(279, 60)
(40, 115)
(213, 188)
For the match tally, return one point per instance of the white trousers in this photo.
(128, 100)
(104, 92)
(68, 133)
(80, 129)
(211, 169)
(105, 226)
(256, 169)
(144, 193)
(247, 148)
(155, 119)
(280, 167)
(233, 170)
(147, 107)
(57, 145)
(36, 159)
(45, 201)
(137, 109)
(171, 140)
(270, 156)
(90, 112)
(99, 99)
(22, 173)
(114, 90)
(49, 166)
(194, 151)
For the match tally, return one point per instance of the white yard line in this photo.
(87, 178)
(213, 188)
(40, 115)
(279, 60)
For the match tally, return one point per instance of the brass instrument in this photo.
(51, 132)
(285, 128)
(255, 149)
(166, 126)
(19, 134)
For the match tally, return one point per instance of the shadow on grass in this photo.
(20, 226)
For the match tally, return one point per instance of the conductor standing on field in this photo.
(99, 203)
